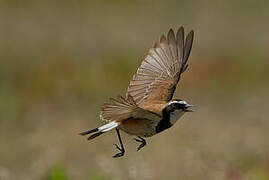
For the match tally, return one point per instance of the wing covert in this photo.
(122, 109)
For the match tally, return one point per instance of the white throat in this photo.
(175, 115)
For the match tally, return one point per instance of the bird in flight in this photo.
(148, 107)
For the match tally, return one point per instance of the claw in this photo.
(117, 147)
(137, 140)
(141, 146)
(121, 153)
(142, 141)
(118, 155)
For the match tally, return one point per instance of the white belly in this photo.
(175, 115)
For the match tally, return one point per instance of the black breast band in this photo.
(164, 123)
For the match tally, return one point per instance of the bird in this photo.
(148, 107)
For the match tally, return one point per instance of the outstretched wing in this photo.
(122, 109)
(159, 73)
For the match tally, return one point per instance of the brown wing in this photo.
(121, 109)
(159, 73)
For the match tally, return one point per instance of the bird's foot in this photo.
(142, 141)
(121, 153)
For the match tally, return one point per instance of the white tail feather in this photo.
(108, 127)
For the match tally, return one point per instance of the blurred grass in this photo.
(59, 61)
(57, 173)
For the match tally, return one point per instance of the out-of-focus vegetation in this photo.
(60, 61)
(57, 173)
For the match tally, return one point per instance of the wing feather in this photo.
(159, 72)
(121, 108)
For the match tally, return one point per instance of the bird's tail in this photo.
(98, 131)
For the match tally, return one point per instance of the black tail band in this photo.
(88, 132)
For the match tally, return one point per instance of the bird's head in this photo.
(175, 109)
(178, 104)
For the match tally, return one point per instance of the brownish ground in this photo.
(60, 61)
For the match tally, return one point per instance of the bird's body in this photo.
(146, 126)
(139, 126)
(148, 107)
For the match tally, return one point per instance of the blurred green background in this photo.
(61, 60)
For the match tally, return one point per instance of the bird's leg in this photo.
(121, 149)
(142, 141)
